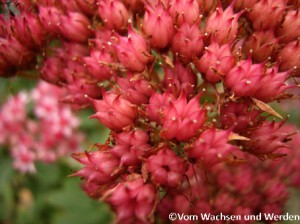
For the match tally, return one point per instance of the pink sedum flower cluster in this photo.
(184, 87)
(44, 133)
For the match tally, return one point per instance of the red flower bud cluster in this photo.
(241, 186)
(184, 87)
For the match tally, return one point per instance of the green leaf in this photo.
(76, 207)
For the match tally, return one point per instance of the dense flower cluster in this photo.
(184, 87)
(37, 127)
(237, 189)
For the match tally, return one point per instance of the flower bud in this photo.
(133, 201)
(238, 116)
(157, 104)
(98, 64)
(158, 24)
(113, 14)
(106, 39)
(114, 111)
(288, 30)
(51, 70)
(244, 78)
(187, 41)
(273, 8)
(260, 45)
(180, 79)
(62, 66)
(247, 79)
(79, 88)
(133, 51)
(223, 25)
(289, 58)
(136, 88)
(187, 11)
(272, 85)
(28, 30)
(75, 27)
(182, 119)
(94, 191)
(215, 62)
(268, 138)
(87, 6)
(166, 168)
(70, 6)
(133, 138)
(130, 147)
(14, 53)
(211, 147)
(98, 166)
(50, 18)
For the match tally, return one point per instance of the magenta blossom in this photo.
(133, 201)
(114, 111)
(166, 168)
(211, 147)
(182, 119)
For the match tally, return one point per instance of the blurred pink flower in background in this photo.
(38, 127)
